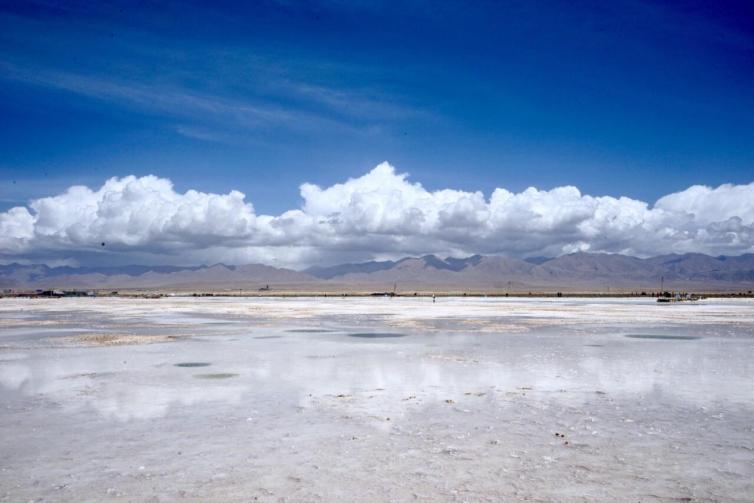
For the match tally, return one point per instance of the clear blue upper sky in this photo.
(621, 98)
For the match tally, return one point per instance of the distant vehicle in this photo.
(678, 297)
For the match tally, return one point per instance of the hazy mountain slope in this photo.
(576, 271)
(219, 275)
(343, 269)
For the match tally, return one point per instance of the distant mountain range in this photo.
(575, 272)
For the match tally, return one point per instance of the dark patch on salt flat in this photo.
(219, 375)
(308, 330)
(594, 345)
(376, 335)
(662, 337)
(91, 375)
(193, 364)
(269, 337)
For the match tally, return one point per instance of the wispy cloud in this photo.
(216, 92)
(164, 99)
(298, 106)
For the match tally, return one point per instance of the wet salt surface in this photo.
(226, 375)
(485, 399)
(661, 337)
(377, 335)
(308, 331)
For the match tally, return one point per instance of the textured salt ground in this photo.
(109, 339)
(548, 411)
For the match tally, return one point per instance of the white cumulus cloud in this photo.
(379, 214)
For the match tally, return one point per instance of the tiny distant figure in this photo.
(433, 298)
(103, 243)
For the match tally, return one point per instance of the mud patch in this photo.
(218, 375)
(192, 364)
(309, 331)
(377, 335)
(662, 337)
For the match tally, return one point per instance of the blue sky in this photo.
(621, 98)
(232, 133)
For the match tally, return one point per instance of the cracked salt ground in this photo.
(551, 411)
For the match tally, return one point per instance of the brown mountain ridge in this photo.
(578, 271)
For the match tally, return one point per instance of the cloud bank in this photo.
(378, 215)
